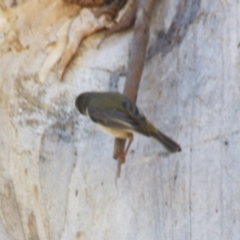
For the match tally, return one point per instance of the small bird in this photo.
(117, 115)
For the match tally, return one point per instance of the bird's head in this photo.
(82, 101)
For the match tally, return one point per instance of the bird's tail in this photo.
(167, 142)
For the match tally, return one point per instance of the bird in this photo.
(120, 117)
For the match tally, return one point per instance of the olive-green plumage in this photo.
(120, 117)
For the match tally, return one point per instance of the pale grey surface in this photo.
(57, 175)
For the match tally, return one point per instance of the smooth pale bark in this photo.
(57, 175)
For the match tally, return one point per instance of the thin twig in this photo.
(135, 65)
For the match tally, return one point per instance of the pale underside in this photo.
(117, 133)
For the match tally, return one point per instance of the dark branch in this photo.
(135, 64)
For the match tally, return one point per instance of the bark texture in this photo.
(57, 175)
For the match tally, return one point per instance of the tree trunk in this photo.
(57, 175)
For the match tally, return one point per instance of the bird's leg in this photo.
(122, 155)
(130, 139)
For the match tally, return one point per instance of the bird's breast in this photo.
(115, 132)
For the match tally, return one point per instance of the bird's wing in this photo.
(112, 118)
(133, 111)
